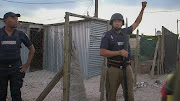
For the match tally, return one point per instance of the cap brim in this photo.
(18, 15)
(15, 15)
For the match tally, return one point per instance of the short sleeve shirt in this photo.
(115, 41)
(22, 36)
(10, 45)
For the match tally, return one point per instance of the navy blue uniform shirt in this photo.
(10, 45)
(114, 41)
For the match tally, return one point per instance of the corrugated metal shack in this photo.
(48, 41)
(86, 34)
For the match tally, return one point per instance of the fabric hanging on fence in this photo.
(170, 47)
(147, 47)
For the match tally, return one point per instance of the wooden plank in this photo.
(102, 82)
(162, 53)
(154, 60)
(104, 73)
(177, 63)
(159, 55)
(83, 16)
(136, 57)
(51, 85)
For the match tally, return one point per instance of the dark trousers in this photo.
(15, 77)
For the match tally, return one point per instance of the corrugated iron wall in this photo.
(87, 37)
(53, 48)
(80, 36)
(85, 34)
(95, 60)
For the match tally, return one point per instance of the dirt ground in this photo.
(148, 89)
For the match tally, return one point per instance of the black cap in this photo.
(10, 14)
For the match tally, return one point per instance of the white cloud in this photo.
(149, 22)
(102, 0)
(46, 16)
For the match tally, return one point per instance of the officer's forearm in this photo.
(31, 54)
(138, 19)
(108, 53)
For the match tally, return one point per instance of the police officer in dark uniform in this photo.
(11, 68)
(112, 47)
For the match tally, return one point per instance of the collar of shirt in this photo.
(4, 32)
(113, 32)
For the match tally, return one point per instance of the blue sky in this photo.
(158, 13)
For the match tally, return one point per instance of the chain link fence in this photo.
(39, 76)
(146, 49)
(158, 52)
(49, 46)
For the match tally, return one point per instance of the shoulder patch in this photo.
(103, 35)
(112, 37)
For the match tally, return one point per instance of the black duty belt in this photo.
(118, 64)
(114, 61)
(11, 64)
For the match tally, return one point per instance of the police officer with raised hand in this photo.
(112, 47)
(11, 68)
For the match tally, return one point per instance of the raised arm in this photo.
(139, 18)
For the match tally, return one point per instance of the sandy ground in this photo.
(35, 82)
(147, 90)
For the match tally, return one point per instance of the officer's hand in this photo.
(24, 67)
(144, 3)
(124, 53)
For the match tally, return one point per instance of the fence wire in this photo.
(39, 76)
(48, 59)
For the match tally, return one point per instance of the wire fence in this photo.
(156, 53)
(36, 82)
(48, 49)
(40, 72)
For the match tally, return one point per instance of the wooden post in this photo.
(126, 22)
(177, 63)
(66, 75)
(154, 61)
(162, 53)
(177, 27)
(136, 57)
(102, 82)
(103, 74)
(158, 57)
(96, 8)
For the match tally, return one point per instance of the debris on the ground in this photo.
(141, 84)
(157, 82)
